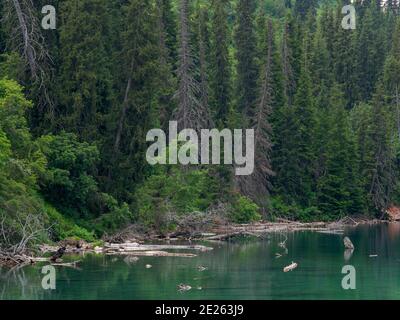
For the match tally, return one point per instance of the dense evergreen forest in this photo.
(76, 104)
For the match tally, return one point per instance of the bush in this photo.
(173, 190)
(279, 208)
(244, 211)
(63, 228)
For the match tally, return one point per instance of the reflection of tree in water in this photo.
(20, 283)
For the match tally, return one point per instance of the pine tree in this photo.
(220, 62)
(257, 185)
(246, 48)
(291, 56)
(135, 112)
(319, 67)
(343, 61)
(376, 153)
(339, 190)
(303, 7)
(168, 20)
(85, 95)
(190, 112)
(391, 75)
(167, 80)
(370, 49)
(294, 161)
(380, 174)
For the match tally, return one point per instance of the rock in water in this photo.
(347, 243)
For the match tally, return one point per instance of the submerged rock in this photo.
(131, 260)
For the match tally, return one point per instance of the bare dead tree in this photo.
(256, 186)
(16, 238)
(25, 37)
(190, 112)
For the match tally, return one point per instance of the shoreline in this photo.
(137, 244)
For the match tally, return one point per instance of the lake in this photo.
(243, 269)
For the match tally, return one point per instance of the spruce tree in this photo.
(84, 82)
(135, 113)
(221, 83)
(339, 190)
(246, 48)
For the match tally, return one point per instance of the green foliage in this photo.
(292, 211)
(244, 211)
(174, 190)
(63, 227)
(68, 181)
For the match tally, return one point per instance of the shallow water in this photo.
(245, 269)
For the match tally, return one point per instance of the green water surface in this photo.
(245, 269)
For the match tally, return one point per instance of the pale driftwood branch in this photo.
(290, 267)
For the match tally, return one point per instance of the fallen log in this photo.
(126, 247)
(290, 267)
(153, 254)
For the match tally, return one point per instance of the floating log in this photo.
(290, 267)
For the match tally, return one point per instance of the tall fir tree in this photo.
(135, 113)
(84, 81)
(339, 189)
(246, 48)
(221, 80)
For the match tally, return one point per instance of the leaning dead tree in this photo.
(191, 113)
(25, 37)
(256, 185)
(17, 237)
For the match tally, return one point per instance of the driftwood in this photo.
(129, 247)
(153, 254)
(290, 267)
(347, 243)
